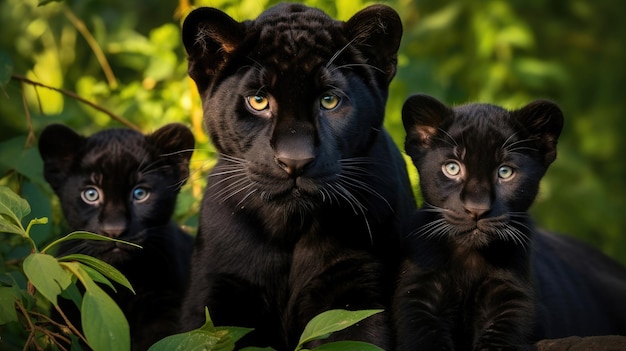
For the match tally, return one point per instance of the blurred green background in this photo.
(127, 56)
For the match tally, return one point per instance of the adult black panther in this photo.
(303, 207)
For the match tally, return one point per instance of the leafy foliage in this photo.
(104, 325)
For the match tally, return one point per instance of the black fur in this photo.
(302, 210)
(466, 284)
(580, 291)
(117, 168)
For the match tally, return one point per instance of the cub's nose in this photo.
(294, 167)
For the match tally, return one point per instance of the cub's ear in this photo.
(58, 147)
(376, 31)
(543, 120)
(176, 142)
(422, 116)
(210, 36)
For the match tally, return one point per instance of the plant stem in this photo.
(77, 97)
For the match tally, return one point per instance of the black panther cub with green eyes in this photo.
(302, 210)
(467, 283)
(123, 184)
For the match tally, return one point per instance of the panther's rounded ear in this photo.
(376, 31)
(175, 141)
(422, 116)
(58, 147)
(209, 37)
(543, 119)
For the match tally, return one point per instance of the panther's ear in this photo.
(376, 31)
(422, 116)
(543, 121)
(58, 147)
(174, 141)
(210, 36)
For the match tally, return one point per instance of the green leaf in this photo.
(7, 305)
(46, 2)
(12, 209)
(207, 337)
(103, 322)
(97, 276)
(254, 348)
(47, 275)
(86, 236)
(102, 267)
(235, 333)
(348, 346)
(72, 293)
(6, 68)
(326, 323)
(195, 340)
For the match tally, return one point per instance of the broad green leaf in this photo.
(207, 337)
(7, 305)
(347, 346)
(86, 236)
(102, 267)
(195, 340)
(235, 333)
(326, 323)
(12, 209)
(97, 276)
(254, 348)
(6, 68)
(104, 323)
(47, 275)
(72, 293)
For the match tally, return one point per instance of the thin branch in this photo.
(93, 44)
(70, 325)
(77, 97)
(31, 327)
(30, 140)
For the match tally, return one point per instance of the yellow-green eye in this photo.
(451, 169)
(505, 172)
(257, 102)
(329, 101)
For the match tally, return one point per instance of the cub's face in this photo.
(117, 183)
(293, 100)
(480, 165)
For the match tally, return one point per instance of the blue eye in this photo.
(451, 169)
(505, 172)
(91, 195)
(140, 194)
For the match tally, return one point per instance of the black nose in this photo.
(294, 167)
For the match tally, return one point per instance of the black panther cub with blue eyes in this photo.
(303, 209)
(466, 284)
(122, 184)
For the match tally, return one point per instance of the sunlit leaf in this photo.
(103, 322)
(86, 236)
(326, 323)
(47, 275)
(100, 266)
(12, 209)
(46, 2)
